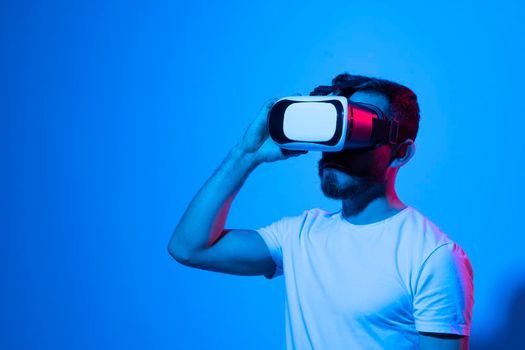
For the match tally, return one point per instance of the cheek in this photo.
(383, 156)
(382, 160)
(375, 164)
(378, 159)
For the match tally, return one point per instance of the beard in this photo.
(344, 180)
(337, 185)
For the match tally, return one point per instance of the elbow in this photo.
(178, 254)
(171, 251)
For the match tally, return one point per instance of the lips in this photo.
(333, 165)
(329, 165)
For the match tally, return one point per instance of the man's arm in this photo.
(442, 341)
(200, 240)
(444, 298)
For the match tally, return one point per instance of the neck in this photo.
(375, 204)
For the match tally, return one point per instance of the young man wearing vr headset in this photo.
(376, 274)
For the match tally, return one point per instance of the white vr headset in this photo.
(331, 123)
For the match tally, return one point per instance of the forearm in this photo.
(203, 221)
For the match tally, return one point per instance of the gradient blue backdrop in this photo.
(114, 113)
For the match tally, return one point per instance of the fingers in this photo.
(265, 108)
(292, 153)
(262, 116)
(270, 101)
(268, 104)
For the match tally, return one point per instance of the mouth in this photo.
(325, 165)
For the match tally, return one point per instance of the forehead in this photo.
(371, 97)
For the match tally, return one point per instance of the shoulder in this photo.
(422, 231)
(296, 220)
(428, 239)
(307, 220)
(318, 217)
(313, 214)
(318, 214)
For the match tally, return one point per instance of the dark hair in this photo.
(403, 101)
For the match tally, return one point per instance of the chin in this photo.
(336, 184)
(336, 175)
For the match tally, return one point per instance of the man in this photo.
(375, 275)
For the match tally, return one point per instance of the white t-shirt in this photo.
(369, 286)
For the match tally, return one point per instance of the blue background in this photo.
(113, 114)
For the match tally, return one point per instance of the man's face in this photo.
(363, 168)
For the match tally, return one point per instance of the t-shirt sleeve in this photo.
(444, 294)
(274, 236)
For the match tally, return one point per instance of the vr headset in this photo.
(325, 121)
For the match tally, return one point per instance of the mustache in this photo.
(337, 159)
(345, 162)
(330, 163)
(342, 159)
(359, 176)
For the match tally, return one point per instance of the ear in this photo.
(403, 153)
